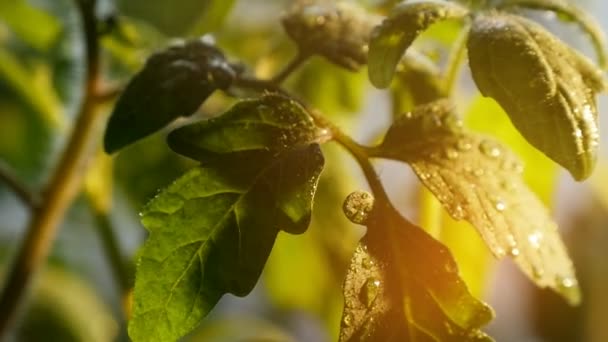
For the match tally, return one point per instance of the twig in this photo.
(23, 193)
(455, 61)
(64, 183)
(294, 64)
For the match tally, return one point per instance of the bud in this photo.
(547, 89)
(339, 31)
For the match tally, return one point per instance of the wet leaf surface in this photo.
(212, 230)
(402, 285)
(479, 180)
(547, 88)
(394, 36)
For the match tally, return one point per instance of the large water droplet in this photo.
(369, 291)
(357, 206)
(348, 319)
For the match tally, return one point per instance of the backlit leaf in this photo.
(402, 285)
(393, 37)
(547, 89)
(478, 179)
(173, 83)
(568, 11)
(212, 230)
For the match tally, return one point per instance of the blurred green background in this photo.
(298, 298)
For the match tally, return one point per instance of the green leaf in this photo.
(402, 285)
(478, 179)
(338, 31)
(394, 36)
(35, 26)
(547, 89)
(212, 230)
(569, 12)
(173, 83)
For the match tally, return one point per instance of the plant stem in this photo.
(64, 183)
(455, 61)
(295, 63)
(23, 193)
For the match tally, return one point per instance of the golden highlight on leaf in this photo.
(568, 11)
(547, 88)
(402, 285)
(393, 37)
(479, 180)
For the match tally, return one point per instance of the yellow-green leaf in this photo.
(547, 89)
(393, 37)
(479, 180)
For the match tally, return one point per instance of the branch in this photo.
(23, 193)
(64, 183)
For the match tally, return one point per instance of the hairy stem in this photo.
(19, 189)
(455, 61)
(64, 184)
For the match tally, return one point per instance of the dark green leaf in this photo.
(212, 230)
(478, 179)
(547, 89)
(568, 11)
(173, 83)
(402, 285)
(259, 127)
(338, 31)
(391, 39)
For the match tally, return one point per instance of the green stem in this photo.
(64, 183)
(455, 61)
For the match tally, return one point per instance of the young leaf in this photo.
(402, 285)
(212, 230)
(568, 11)
(393, 37)
(338, 31)
(478, 179)
(173, 83)
(547, 89)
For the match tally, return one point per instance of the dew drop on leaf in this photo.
(490, 149)
(348, 319)
(357, 206)
(370, 290)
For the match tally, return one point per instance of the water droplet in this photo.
(490, 149)
(537, 272)
(458, 212)
(451, 153)
(478, 172)
(423, 176)
(369, 291)
(464, 145)
(566, 282)
(535, 239)
(357, 206)
(514, 251)
(499, 205)
(348, 319)
(367, 263)
(500, 252)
